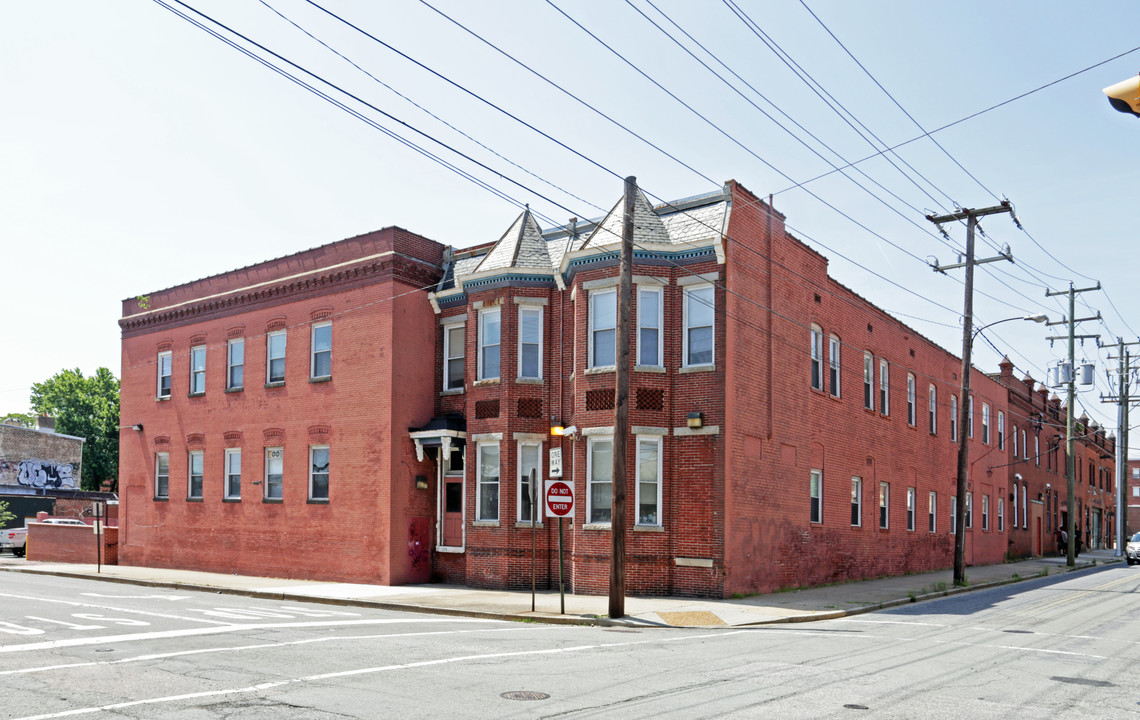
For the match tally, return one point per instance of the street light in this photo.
(963, 446)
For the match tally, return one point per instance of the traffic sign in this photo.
(559, 499)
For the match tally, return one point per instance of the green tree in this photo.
(5, 516)
(87, 408)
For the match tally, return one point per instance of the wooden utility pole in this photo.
(1123, 400)
(971, 218)
(621, 407)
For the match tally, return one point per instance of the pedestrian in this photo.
(1062, 542)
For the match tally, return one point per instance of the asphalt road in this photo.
(1064, 647)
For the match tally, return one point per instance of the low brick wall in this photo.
(71, 544)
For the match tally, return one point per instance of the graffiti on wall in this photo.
(37, 473)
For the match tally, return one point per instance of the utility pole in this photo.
(1123, 401)
(971, 218)
(1070, 460)
(621, 408)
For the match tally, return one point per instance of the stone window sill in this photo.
(649, 369)
(525, 524)
(273, 501)
(234, 390)
(597, 526)
(193, 499)
(318, 501)
(453, 391)
(648, 528)
(278, 384)
(697, 369)
(231, 500)
(600, 370)
(197, 394)
(326, 378)
(529, 381)
(486, 382)
(485, 523)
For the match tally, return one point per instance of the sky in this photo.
(138, 152)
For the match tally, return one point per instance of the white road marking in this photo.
(69, 625)
(138, 597)
(384, 668)
(129, 611)
(192, 632)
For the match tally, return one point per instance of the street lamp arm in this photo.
(1040, 318)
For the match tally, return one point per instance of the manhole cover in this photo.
(523, 695)
(852, 706)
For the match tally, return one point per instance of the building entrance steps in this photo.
(805, 605)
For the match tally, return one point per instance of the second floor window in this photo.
(868, 381)
(453, 356)
(816, 358)
(235, 364)
(953, 418)
(986, 423)
(698, 337)
(198, 370)
(319, 472)
(164, 360)
(970, 417)
(275, 357)
(233, 473)
(194, 490)
(933, 410)
(833, 364)
(530, 342)
(490, 330)
(161, 475)
(603, 328)
(1001, 430)
(649, 327)
(274, 472)
(320, 365)
(884, 387)
(911, 401)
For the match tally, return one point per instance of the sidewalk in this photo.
(806, 605)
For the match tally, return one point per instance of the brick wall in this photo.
(48, 451)
(71, 544)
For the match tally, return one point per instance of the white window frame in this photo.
(266, 478)
(593, 330)
(198, 370)
(535, 314)
(816, 378)
(450, 355)
(484, 484)
(932, 512)
(200, 457)
(856, 501)
(657, 482)
(1024, 512)
(1015, 442)
(834, 347)
(1037, 450)
(166, 357)
(969, 510)
(933, 410)
(658, 299)
(1001, 514)
(815, 496)
(484, 346)
(590, 481)
(313, 450)
(521, 491)
(911, 400)
(884, 387)
(1024, 446)
(884, 505)
(231, 365)
(970, 418)
(985, 511)
(953, 514)
(911, 509)
(868, 381)
(313, 351)
(985, 423)
(953, 418)
(229, 475)
(690, 297)
(1001, 430)
(161, 480)
(270, 357)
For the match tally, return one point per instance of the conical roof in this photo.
(521, 246)
(647, 227)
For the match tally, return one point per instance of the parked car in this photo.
(1132, 550)
(14, 539)
(62, 521)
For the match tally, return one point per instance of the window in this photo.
(1015, 442)
(933, 410)
(816, 491)
(969, 510)
(488, 487)
(911, 409)
(1136, 473)
(319, 472)
(1024, 446)
(884, 387)
(600, 472)
(985, 423)
(884, 505)
(274, 472)
(233, 473)
(320, 365)
(649, 481)
(161, 476)
(954, 515)
(1001, 514)
(194, 469)
(1024, 499)
(198, 370)
(1001, 430)
(698, 338)
(856, 501)
(453, 354)
(970, 418)
(164, 359)
(1037, 450)
(833, 363)
(530, 342)
(910, 509)
(649, 338)
(275, 357)
(1013, 503)
(529, 454)
(235, 364)
(953, 418)
(603, 329)
(932, 511)
(816, 358)
(868, 381)
(985, 512)
(490, 331)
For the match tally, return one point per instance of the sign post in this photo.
(559, 504)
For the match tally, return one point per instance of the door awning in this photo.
(443, 431)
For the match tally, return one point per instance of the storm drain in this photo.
(523, 695)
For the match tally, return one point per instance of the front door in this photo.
(452, 511)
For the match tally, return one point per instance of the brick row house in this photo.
(393, 396)
(1037, 485)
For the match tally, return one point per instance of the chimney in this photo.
(45, 424)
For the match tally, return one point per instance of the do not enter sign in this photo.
(559, 499)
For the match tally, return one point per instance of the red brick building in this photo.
(1132, 498)
(785, 432)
